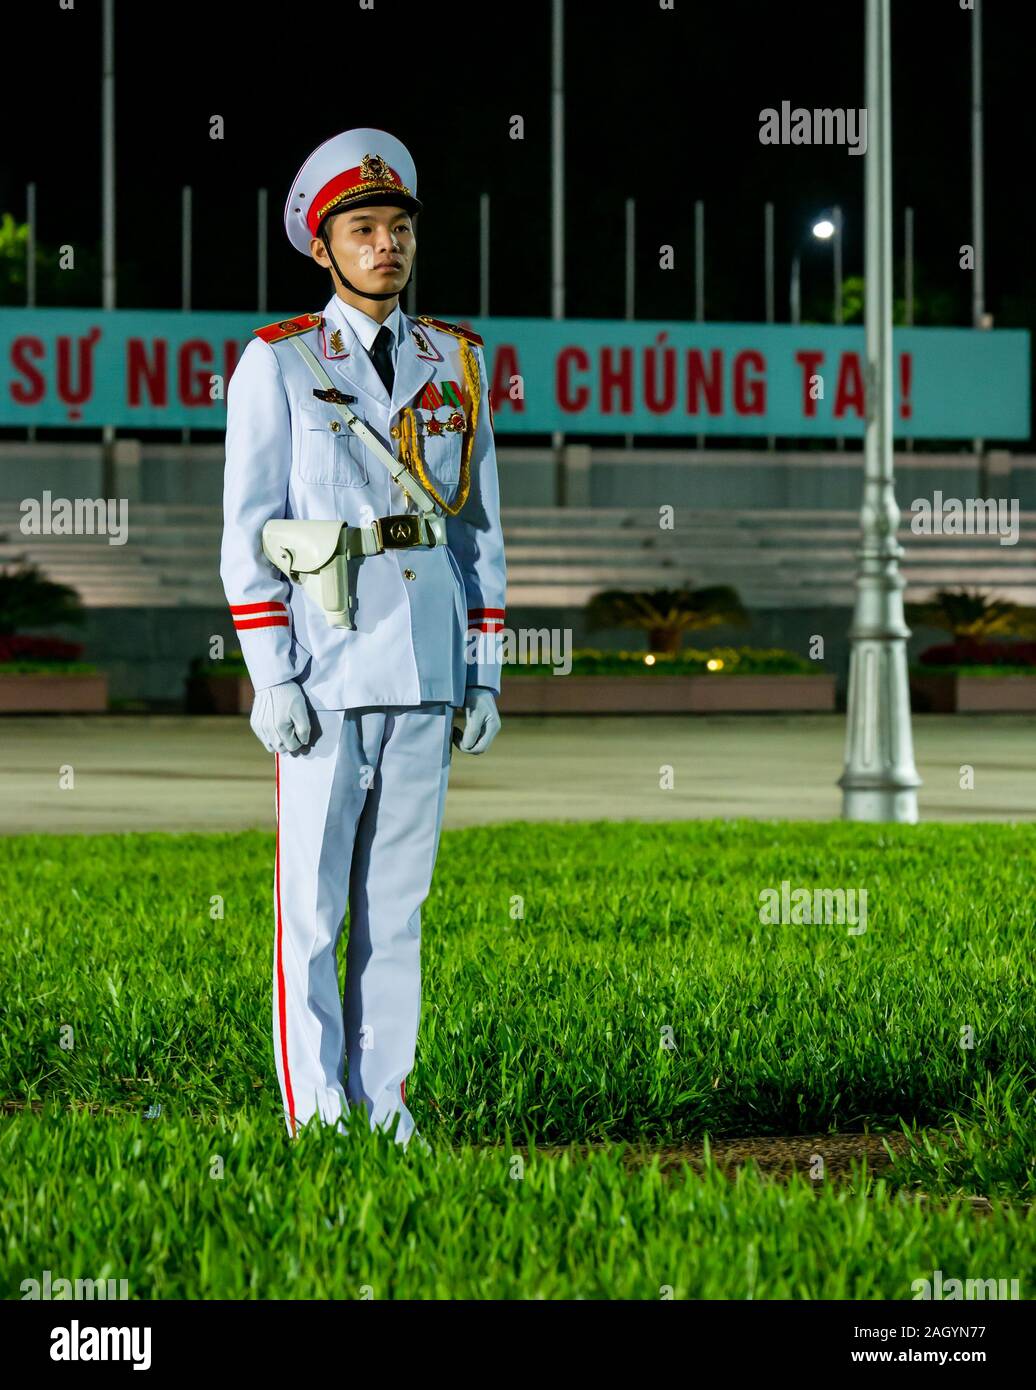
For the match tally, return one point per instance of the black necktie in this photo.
(381, 356)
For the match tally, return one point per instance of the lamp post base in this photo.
(879, 781)
(880, 804)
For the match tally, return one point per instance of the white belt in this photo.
(399, 532)
(316, 554)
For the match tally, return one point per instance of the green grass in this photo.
(226, 1210)
(636, 998)
(688, 661)
(47, 668)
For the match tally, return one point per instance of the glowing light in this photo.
(714, 664)
(649, 660)
(824, 229)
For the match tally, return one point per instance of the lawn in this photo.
(581, 982)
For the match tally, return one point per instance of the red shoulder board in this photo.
(453, 328)
(287, 328)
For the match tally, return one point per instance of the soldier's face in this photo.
(374, 246)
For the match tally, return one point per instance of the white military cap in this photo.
(354, 169)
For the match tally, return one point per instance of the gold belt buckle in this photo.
(400, 531)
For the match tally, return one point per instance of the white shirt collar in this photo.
(366, 328)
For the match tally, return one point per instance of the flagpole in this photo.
(108, 290)
(557, 204)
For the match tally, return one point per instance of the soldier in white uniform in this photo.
(360, 718)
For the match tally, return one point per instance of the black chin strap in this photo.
(364, 294)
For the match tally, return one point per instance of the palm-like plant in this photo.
(666, 614)
(973, 617)
(28, 599)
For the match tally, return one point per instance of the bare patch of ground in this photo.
(823, 1155)
(817, 1157)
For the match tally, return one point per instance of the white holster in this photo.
(314, 555)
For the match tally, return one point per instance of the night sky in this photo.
(663, 106)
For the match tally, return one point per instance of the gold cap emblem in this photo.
(373, 169)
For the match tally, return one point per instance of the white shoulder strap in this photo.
(400, 473)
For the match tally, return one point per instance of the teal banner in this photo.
(169, 370)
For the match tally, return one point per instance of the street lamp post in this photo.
(824, 229)
(830, 229)
(880, 781)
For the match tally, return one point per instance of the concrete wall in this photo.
(146, 652)
(530, 477)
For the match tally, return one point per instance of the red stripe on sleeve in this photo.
(257, 607)
(243, 625)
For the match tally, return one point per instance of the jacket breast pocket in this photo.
(442, 455)
(329, 452)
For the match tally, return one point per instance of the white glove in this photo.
(481, 720)
(280, 718)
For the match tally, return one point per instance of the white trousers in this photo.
(359, 812)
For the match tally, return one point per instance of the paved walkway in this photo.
(135, 772)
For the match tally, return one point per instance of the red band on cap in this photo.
(349, 182)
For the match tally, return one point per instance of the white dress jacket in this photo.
(421, 612)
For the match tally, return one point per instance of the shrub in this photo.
(29, 599)
(969, 653)
(38, 650)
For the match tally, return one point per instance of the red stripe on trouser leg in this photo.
(402, 1091)
(280, 959)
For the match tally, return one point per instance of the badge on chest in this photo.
(441, 409)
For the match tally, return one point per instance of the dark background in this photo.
(660, 105)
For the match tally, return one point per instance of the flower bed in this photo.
(219, 687)
(963, 676)
(41, 675)
(691, 661)
(721, 679)
(961, 689)
(718, 680)
(38, 687)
